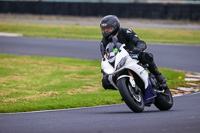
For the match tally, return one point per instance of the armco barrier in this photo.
(125, 10)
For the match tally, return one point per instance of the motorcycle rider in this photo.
(110, 26)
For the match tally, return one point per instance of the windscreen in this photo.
(111, 52)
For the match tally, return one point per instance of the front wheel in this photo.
(134, 100)
(164, 101)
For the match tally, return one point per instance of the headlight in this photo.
(121, 63)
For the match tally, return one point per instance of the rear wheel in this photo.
(133, 99)
(164, 100)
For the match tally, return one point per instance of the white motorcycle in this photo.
(137, 87)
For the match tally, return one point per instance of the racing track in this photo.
(184, 116)
(180, 57)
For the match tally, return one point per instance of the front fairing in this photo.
(107, 67)
(133, 65)
(129, 64)
(106, 64)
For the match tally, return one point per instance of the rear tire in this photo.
(135, 104)
(164, 101)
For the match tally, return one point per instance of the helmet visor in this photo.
(107, 30)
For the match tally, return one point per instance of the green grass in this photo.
(43, 83)
(93, 32)
(169, 35)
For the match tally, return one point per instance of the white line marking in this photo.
(10, 34)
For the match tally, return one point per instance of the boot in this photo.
(159, 77)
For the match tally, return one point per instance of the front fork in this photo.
(130, 76)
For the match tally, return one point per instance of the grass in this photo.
(93, 32)
(43, 83)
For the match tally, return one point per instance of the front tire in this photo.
(134, 101)
(164, 101)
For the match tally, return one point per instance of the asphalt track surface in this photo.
(180, 57)
(184, 116)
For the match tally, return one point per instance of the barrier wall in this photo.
(125, 10)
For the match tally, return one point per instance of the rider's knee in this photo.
(146, 58)
(105, 83)
(149, 56)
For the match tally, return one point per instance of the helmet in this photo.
(109, 26)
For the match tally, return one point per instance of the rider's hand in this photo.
(136, 50)
(141, 45)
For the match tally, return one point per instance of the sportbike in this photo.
(137, 86)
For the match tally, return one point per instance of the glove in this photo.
(137, 50)
(142, 45)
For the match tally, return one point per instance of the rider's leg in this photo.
(147, 58)
(106, 84)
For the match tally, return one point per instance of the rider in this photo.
(110, 26)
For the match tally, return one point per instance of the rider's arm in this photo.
(102, 49)
(103, 44)
(136, 44)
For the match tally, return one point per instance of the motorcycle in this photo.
(137, 86)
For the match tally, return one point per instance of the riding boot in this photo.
(159, 77)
